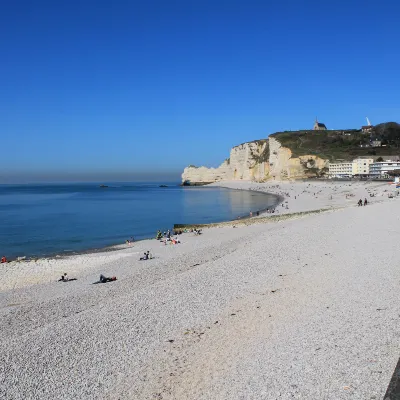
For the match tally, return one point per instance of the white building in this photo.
(361, 166)
(380, 169)
(341, 170)
(376, 143)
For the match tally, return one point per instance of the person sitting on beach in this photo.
(64, 278)
(146, 256)
(104, 279)
(3, 259)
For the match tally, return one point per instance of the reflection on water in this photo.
(219, 204)
(39, 220)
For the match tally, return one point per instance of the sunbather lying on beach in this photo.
(104, 279)
(64, 278)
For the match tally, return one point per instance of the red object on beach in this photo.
(3, 259)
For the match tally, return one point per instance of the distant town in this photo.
(366, 166)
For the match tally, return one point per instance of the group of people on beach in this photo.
(360, 202)
(169, 237)
(146, 256)
(167, 234)
(102, 279)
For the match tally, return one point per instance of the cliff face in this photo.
(283, 166)
(248, 160)
(259, 161)
(297, 154)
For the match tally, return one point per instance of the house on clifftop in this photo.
(319, 126)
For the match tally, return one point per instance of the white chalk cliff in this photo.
(260, 161)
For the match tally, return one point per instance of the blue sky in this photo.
(95, 90)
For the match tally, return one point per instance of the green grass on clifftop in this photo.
(341, 144)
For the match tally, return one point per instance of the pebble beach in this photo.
(299, 304)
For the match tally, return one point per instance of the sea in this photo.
(58, 219)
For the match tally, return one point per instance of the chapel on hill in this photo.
(319, 126)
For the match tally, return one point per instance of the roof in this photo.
(321, 125)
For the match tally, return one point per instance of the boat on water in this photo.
(103, 186)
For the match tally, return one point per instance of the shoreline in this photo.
(297, 200)
(122, 246)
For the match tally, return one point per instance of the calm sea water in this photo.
(39, 220)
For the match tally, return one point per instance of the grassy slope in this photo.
(333, 145)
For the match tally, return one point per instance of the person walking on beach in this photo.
(360, 203)
(3, 259)
(365, 202)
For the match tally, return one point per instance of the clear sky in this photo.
(121, 90)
